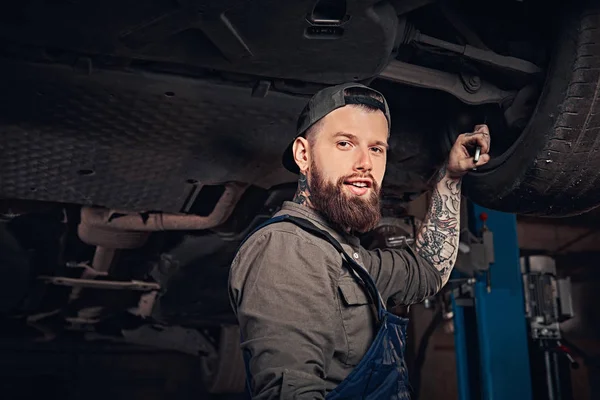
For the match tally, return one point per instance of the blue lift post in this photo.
(467, 361)
(502, 337)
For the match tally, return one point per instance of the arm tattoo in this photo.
(437, 241)
(303, 192)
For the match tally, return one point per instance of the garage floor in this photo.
(90, 372)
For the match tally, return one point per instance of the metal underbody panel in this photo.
(300, 40)
(139, 141)
(133, 140)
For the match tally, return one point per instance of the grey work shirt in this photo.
(304, 319)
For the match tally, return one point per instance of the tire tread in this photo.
(563, 177)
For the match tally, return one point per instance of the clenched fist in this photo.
(460, 160)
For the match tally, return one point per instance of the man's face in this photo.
(347, 166)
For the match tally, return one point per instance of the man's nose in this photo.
(364, 163)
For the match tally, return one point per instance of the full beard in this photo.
(348, 212)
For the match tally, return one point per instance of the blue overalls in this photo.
(382, 373)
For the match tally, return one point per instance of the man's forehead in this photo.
(355, 120)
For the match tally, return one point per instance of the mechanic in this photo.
(310, 301)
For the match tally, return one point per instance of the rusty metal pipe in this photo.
(103, 259)
(165, 222)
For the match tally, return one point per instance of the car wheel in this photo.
(553, 168)
(225, 371)
(16, 271)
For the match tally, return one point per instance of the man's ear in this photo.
(301, 153)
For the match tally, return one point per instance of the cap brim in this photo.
(288, 159)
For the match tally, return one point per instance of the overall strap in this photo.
(363, 275)
(259, 227)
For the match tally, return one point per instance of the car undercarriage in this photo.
(141, 141)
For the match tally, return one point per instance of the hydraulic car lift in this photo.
(507, 339)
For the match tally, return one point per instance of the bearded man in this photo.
(310, 301)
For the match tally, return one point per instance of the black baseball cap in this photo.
(324, 102)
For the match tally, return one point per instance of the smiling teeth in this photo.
(360, 184)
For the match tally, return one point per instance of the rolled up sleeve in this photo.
(284, 301)
(403, 274)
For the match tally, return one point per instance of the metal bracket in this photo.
(145, 305)
(399, 241)
(463, 292)
(97, 284)
(428, 78)
(487, 57)
(488, 246)
(479, 252)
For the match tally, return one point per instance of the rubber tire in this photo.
(16, 271)
(226, 373)
(553, 169)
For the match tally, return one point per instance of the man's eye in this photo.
(377, 149)
(343, 144)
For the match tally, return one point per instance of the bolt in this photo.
(471, 83)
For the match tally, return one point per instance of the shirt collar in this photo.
(299, 210)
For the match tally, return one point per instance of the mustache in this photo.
(359, 176)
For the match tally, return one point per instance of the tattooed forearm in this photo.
(303, 192)
(437, 240)
(453, 186)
